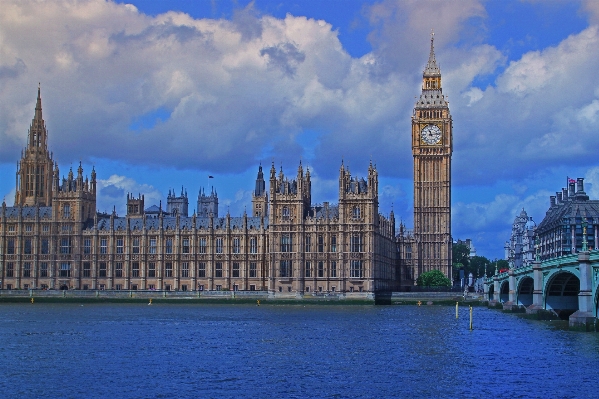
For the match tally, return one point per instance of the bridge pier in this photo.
(537, 293)
(511, 304)
(495, 300)
(584, 318)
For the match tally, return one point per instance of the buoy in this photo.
(419, 303)
(31, 300)
(150, 301)
(456, 309)
(258, 302)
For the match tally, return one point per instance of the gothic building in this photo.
(54, 238)
(520, 249)
(432, 148)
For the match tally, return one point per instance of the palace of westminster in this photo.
(54, 238)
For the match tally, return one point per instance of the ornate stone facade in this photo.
(288, 246)
(432, 148)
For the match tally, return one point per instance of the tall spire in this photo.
(432, 69)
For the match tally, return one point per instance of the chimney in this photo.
(552, 200)
(564, 194)
(571, 188)
(558, 196)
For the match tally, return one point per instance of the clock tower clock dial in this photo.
(432, 148)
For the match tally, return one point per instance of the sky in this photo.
(160, 95)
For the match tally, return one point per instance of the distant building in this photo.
(562, 230)
(520, 248)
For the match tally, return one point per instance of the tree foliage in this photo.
(434, 278)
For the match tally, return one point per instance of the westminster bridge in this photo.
(566, 286)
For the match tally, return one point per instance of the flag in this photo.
(570, 180)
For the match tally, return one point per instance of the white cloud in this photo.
(113, 191)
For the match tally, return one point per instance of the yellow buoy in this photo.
(150, 301)
(31, 300)
(419, 303)
(258, 302)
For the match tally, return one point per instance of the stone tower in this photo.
(207, 204)
(177, 205)
(259, 196)
(34, 171)
(432, 147)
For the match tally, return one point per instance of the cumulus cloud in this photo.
(112, 192)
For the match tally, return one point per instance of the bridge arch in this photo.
(561, 293)
(504, 292)
(526, 286)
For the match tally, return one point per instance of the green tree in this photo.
(434, 278)
(478, 264)
(461, 254)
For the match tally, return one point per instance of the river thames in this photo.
(287, 351)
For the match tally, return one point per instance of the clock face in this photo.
(431, 134)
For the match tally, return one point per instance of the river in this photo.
(287, 351)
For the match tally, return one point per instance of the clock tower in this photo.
(432, 148)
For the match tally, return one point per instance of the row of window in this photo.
(29, 227)
(151, 270)
(286, 269)
(356, 245)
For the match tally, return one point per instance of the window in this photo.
(10, 246)
(285, 269)
(219, 245)
(200, 287)
(103, 245)
(169, 246)
(11, 227)
(135, 269)
(67, 227)
(10, 269)
(356, 243)
(236, 246)
(118, 270)
(65, 269)
(65, 245)
(45, 228)
(184, 287)
(253, 245)
(43, 269)
(320, 243)
(135, 245)
(201, 269)
(102, 269)
(333, 243)
(356, 269)
(285, 212)
(253, 269)
(27, 246)
(308, 269)
(320, 269)
(66, 211)
(286, 243)
(219, 270)
(118, 287)
(202, 246)
(87, 269)
(168, 269)
(308, 243)
(185, 248)
(219, 287)
(87, 245)
(27, 269)
(151, 269)
(28, 227)
(185, 270)
(356, 212)
(45, 246)
(235, 269)
(333, 269)
(119, 245)
(152, 248)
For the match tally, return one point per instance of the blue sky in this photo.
(161, 94)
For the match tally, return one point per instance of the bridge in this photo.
(566, 286)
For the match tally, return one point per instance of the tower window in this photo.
(66, 211)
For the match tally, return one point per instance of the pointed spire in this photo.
(38, 105)
(432, 69)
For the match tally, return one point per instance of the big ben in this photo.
(432, 147)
